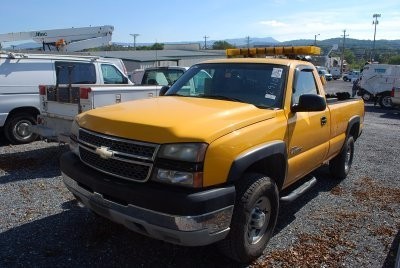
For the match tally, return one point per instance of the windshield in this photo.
(259, 84)
(163, 77)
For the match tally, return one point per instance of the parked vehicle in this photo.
(351, 76)
(395, 95)
(336, 73)
(164, 76)
(61, 103)
(210, 161)
(377, 81)
(22, 73)
(325, 74)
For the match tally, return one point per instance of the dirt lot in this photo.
(350, 223)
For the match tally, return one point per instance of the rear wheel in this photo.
(254, 218)
(16, 128)
(340, 165)
(385, 101)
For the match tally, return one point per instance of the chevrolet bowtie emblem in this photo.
(104, 153)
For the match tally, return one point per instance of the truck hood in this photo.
(171, 119)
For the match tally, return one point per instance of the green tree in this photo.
(222, 45)
(349, 56)
(394, 59)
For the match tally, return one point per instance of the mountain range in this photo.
(267, 41)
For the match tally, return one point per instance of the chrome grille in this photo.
(121, 169)
(137, 149)
(125, 159)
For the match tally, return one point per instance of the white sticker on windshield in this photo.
(270, 96)
(277, 72)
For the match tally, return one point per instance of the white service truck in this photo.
(22, 73)
(377, 82)
(59, 104)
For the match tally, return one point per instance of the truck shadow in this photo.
(78, 238)
(383, 113)
(29, 165)
(393, 251)
(3, 140)
(288, 210)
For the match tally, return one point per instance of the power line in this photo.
(248, 41)
(375, 22)
(205, 41)
(134, 40)
(342, 59)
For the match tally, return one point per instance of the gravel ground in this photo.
(350, 223)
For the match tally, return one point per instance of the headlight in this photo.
(188, 152)
(73, 139)
(189, 173)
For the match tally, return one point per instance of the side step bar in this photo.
(299, 191)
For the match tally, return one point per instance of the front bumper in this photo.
(179, 217)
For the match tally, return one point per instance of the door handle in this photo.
(324, 120)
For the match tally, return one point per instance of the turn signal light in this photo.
(42, 90)
(84, 92)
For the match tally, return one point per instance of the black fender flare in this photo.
(255, 154)
(355, 120)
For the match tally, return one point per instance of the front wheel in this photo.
(16, 128)
(366, 96)
(254, 218)
(340, 165)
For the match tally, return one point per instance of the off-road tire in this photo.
(255, 213)
(340, 165)
(15, 128)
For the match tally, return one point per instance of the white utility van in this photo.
(377, 82)
(20, 77)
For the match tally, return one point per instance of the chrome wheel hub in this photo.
(259, 220)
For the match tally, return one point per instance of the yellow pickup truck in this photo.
(211, 160)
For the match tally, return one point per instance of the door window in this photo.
(112, 75)
(75, 73)
(304, 84)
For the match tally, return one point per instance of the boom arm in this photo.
(73, 39)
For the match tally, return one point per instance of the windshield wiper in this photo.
(222, 97)
(175, 94)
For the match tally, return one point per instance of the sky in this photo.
(185, 20)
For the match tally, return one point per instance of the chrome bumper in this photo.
(195, 230)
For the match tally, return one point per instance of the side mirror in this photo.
(163, 90)
(309, 103)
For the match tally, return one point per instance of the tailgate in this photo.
(61, 101)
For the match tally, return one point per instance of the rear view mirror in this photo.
(309, 103)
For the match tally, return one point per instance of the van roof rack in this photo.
(14, 55)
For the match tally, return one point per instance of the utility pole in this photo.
(248, 41)
(342, 58)
(315, 39)
(205, 41)
(374, 22)
(134, 40)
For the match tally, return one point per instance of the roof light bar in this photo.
(260, 52)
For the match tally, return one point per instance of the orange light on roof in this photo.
(272, 51)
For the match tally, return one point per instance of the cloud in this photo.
(273, 23)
